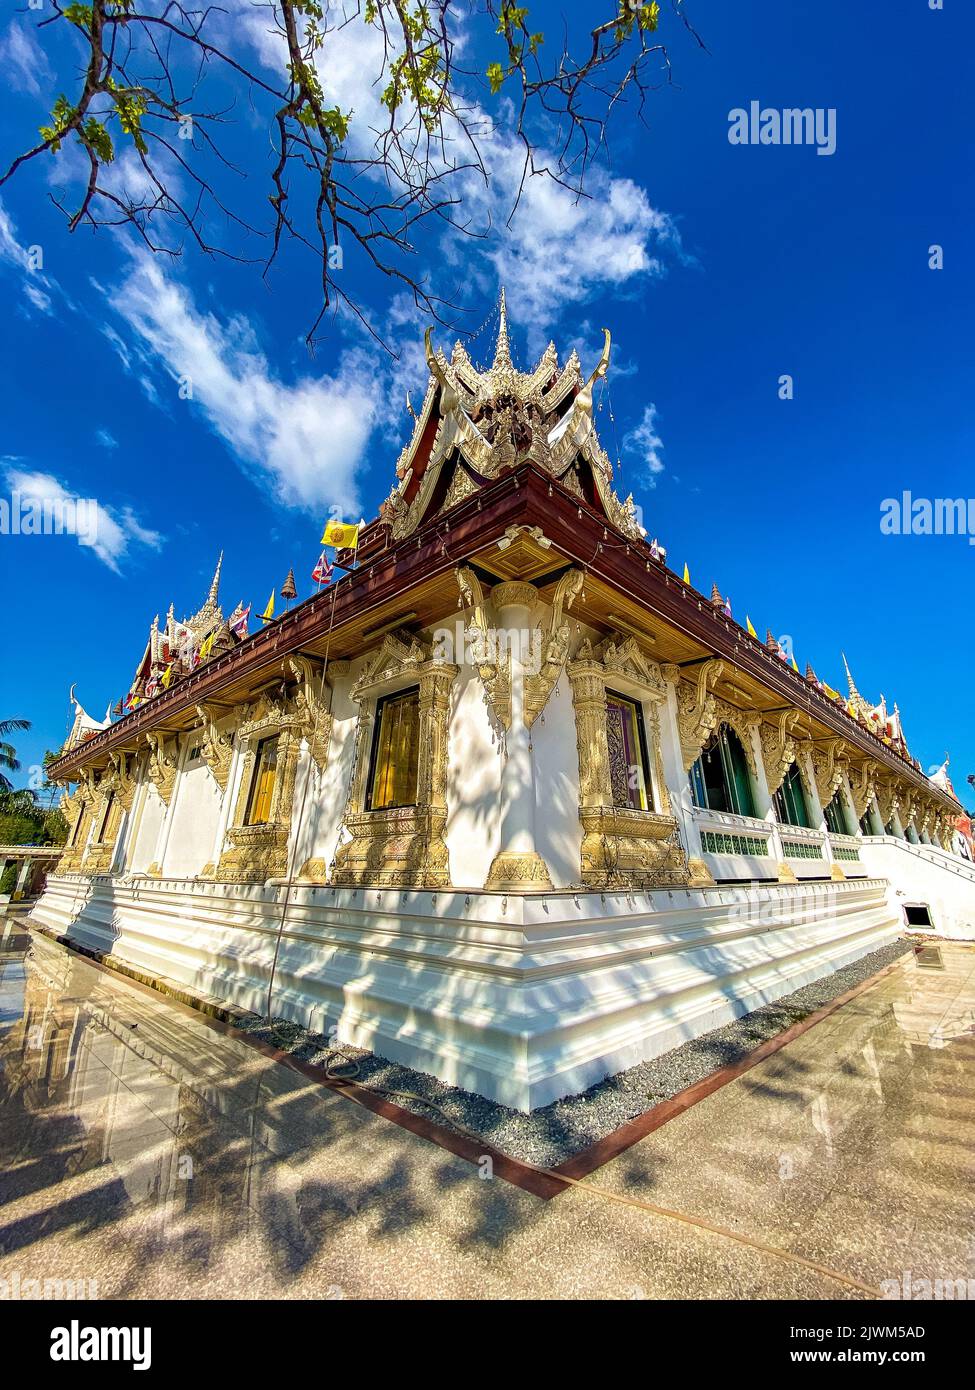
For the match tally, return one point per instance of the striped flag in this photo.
(322, 573)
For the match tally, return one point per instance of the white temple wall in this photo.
(195, 812)
(474, 753)
(558, 829)
(146, 832)
(317, 830)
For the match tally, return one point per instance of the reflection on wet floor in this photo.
(145, 1150)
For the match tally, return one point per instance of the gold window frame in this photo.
(400, 846)
(621, 847)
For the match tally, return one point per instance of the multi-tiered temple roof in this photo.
(176, 645)
(475, 425)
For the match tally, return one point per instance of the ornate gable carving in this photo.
(398, 656)
(623, 656)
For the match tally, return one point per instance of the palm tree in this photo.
(8, 754)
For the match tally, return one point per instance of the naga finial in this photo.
(449, 400)
(583, 400)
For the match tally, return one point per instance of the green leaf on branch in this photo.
(61, 117)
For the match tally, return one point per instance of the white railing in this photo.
(932, 854)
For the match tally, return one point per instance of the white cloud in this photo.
(559, 251)
(644, 442)
(37, 286)
(106, 439)
(307, 437)
(108, 531)
(23, 59)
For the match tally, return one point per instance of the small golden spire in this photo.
(502, 351)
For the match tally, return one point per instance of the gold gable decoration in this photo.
(485, 422)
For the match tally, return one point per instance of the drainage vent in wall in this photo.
(918, 915)
(929, 958)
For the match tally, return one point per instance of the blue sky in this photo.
(718, 268)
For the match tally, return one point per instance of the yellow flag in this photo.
(166, 676)
(748, 624)
(268, 613)
(207, 647)
(794, 666)
(340, 534)
(687, 575)
(828, 690)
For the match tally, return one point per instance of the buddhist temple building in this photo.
(510, 801)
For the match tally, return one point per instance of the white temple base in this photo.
(522, 999)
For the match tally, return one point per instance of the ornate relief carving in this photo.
(494, 668)
(216, 746)
(555, 647)
(886, 799)
(313, 696)
(621, 847)
(907, 796)
(81, 800)
(260, 852)
(862, 786)
(743, 721)
(123, 780)
(404, 846)
(778, 749)
(162, 764)
(108, 798)
(399, 655)
(829, 766)
(697, 712)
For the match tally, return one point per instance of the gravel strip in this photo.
(549, 1136)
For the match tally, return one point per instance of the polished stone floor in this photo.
(144, 1150)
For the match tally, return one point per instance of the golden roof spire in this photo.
(854, 693)
(502, 352)
(215, 582)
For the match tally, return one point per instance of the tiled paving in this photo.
(144, 1149)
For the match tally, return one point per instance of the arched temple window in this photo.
(790, 800)
(106, 813)
(395, 758)
(719, 778)
(629, 763)
(262, 782)
(837, 820)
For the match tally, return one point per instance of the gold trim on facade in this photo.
(404, 846)
(259, 852)
(621, 847)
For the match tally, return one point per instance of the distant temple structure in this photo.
(515, 804)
